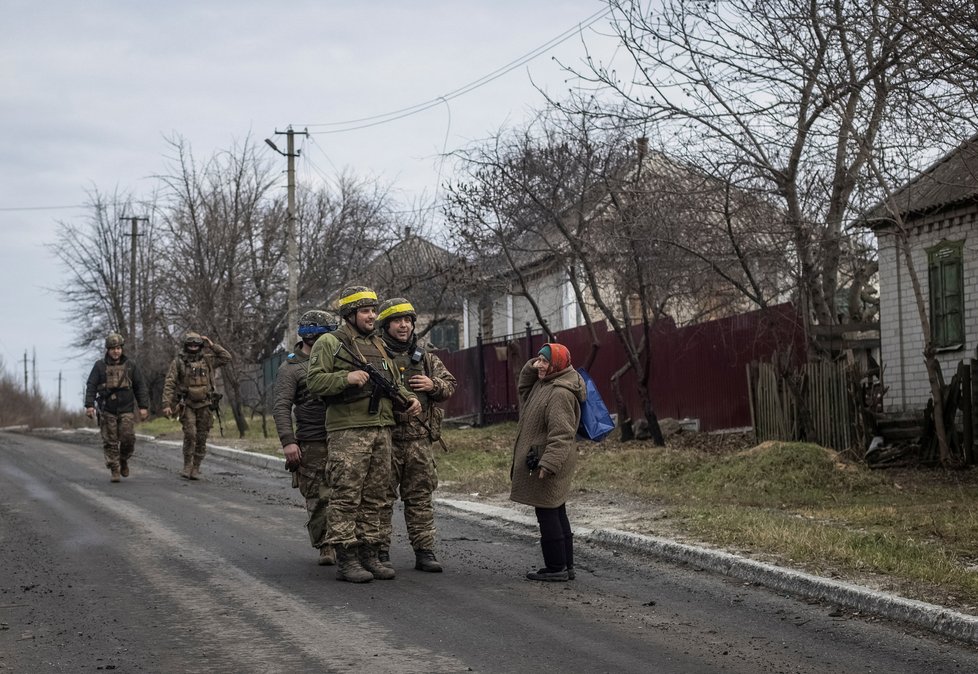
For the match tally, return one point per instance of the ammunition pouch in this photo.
(197, 394)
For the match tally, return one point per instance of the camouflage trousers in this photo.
(196, 422)
(414, 478)
(118, 437)
(311, 476)
(358, 469)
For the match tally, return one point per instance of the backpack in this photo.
(596, 421)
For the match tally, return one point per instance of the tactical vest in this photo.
(411, 362)
(117, 376)
(372, 353)
(197, 380)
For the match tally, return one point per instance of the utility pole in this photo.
(26, 387)
(131, 337)
(292, 318)
(59, 390)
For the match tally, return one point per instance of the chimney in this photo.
(407, 231)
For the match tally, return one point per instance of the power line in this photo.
(394, 115)
(9, 209)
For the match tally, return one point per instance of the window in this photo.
(945, 272)
(444, 335)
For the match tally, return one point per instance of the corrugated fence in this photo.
(697, 371)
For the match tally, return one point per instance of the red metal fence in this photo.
(699, 371)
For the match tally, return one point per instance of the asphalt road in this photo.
(157, 574)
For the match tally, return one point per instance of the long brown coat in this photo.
(550, 412)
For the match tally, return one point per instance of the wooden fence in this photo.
(824, 390)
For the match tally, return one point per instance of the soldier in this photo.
(115, 386)
(413, 472)
(188, 393)
(304, 444)
(359, 420)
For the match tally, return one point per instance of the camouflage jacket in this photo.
(348, 406)
(292, 395)
(189, 376)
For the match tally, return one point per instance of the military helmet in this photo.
(393, 308)
(114, 339)
(192, 339)
(317, 322)
(355, 297)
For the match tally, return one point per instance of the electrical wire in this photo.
(394, 115)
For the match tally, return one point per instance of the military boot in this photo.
(188, 466)
(384, 557)
(116, 477)
(424, 560)
(195, 471)
(124, 468)
(370, 561)
(348, 566)
(327, 556)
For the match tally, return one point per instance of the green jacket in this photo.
(347, 406)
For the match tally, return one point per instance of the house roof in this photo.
(417, 269)
(951, 180)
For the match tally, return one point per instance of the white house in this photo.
(939, 214)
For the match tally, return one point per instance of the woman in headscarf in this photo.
(545, 453)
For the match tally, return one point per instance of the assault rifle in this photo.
(382, 387)
(215, 405)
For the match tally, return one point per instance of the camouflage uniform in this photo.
(309, 432)
(359, 423)
(414, 474)
(190, 384)
(115, 388)
(358, 465)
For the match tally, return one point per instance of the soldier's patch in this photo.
(312, 361)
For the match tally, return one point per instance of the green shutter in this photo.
(946, 277)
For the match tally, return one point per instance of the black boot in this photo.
(546, 574)
(424, 560)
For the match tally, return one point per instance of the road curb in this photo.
(932, 617)
(937, 619)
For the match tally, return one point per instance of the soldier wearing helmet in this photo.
(114, 388)
(304, 441)
(359, 421)
(413, 473)
(189, 393)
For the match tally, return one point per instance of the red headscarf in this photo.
(558, 356)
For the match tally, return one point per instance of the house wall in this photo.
(508, 314)
(902, 338)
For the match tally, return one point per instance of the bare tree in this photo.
(225, 255)
(96, 254)
(786, 99)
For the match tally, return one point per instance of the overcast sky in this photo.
(91, 90)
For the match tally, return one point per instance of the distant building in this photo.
(427, 275)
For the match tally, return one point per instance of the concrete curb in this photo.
(937, 619)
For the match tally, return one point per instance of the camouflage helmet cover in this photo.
(317, 322)
(192, 339)
(114, 339)
(393, 308)
(354, 298)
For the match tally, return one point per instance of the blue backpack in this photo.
(596, 421)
